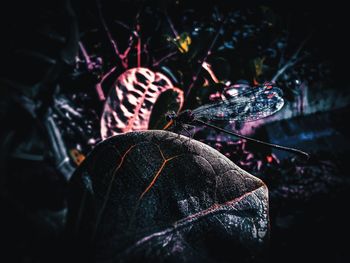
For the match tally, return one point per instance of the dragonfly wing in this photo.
(252, 105)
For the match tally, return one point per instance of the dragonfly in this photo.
(253, 104)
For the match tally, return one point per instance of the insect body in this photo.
(254, 104)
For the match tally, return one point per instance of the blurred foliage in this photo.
(204, 51)
(240, 42)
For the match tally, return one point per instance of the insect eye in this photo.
(170, 116)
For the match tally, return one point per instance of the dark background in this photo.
(306, 225)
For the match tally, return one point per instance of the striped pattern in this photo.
(130, 102)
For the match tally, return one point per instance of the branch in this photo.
(138, 46)
(164, 58)
(291, 62)
(109, 35)
(86, 56)
(99, 85)
(172, 26)
(206, 57)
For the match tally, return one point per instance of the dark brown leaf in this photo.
(157, 196)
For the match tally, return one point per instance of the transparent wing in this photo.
(256, 103)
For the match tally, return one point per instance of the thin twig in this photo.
(109, 35)
(133, 34)
(292, 61)
(99, 85)
(86, 56)
(195, 77)
(164, 58)
(172, 26)
(122, 24)
(90, 67)
(138, 46)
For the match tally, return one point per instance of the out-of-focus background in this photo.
(66, 66)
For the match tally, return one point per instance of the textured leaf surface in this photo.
(156, 196)
(130, 102)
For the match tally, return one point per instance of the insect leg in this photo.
(190, 135)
